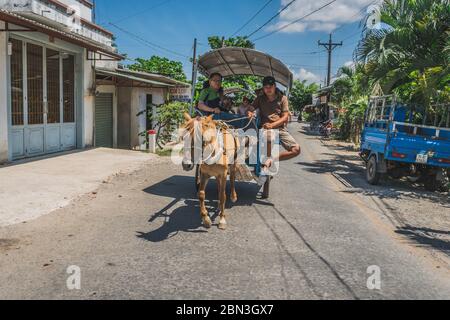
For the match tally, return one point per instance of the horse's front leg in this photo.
(223, 200)
(233, 195)
(202, 198)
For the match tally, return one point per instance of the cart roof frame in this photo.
(231, 61)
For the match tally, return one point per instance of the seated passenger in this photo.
(244, 108)
(227, 105)
(211, 96)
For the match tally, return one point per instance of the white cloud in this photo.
(305, 75)
(329, 18)
(349, 64)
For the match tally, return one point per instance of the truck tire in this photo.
(431, 183)
(372, 174)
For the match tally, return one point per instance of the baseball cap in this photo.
(269, 81)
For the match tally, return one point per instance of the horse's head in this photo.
(202, 132)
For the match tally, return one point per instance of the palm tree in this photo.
(412, 46)
(350, 91)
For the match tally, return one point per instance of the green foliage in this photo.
(160, 65)
(301, 94)
(411, 55)
(216, 42)
(350, 93)
(351, 121)
(169, 117)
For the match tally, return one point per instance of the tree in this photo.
(161, 65)
(410, 54)
(350, 92)
(215, 42)
(301, 94)
(169, 117)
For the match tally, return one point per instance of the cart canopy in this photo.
(230, 61)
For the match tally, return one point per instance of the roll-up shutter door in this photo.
(104, 120)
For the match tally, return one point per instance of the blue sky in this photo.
(173, 24)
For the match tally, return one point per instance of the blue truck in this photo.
(401, 140)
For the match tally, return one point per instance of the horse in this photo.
(222, 147)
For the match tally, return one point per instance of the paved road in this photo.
(140, 236)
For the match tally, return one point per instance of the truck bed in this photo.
(409, 143)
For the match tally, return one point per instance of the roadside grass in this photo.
(160, 152)
(164, 152)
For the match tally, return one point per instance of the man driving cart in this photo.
(273, 108)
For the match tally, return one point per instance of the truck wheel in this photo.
(372, 174)
(431, 183)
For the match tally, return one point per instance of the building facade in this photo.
(60, 83)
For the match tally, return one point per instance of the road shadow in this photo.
(426, 237)
(182, 214)
(351, 169)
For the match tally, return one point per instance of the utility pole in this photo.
(330, 46)
(194, 75)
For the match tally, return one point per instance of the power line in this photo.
(252, 18)
(271, 19)
(352, 35)
(295, 21)
(148, 43)
(143, 11)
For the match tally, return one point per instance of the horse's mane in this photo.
(190, 124)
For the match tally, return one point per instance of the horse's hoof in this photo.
(222, 226)
(207, 223)
(234, 199)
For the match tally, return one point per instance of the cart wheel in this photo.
(431, 183)
(372, 174)
(197, 178)
(266, 190)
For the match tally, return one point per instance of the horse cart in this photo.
(231, 62)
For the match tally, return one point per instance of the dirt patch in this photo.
(8, 244)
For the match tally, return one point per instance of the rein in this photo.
(219, 148)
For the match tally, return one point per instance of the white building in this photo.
(60, 86)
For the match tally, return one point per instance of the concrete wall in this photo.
(138, 104)
(3, 96)
(132, 101)
(88, 103)
(84, 11)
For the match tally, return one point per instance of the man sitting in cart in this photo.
(273, 108)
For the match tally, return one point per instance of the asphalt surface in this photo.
(140, 237)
